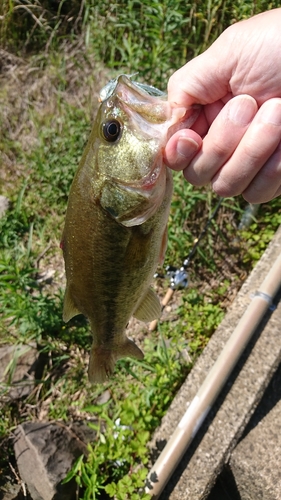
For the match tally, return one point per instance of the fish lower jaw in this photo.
(103, 358)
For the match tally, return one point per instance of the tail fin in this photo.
(103, 359)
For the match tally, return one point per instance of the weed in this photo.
(45, 119)
(116, 460)
(152, 38)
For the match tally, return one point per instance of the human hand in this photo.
(236, 141)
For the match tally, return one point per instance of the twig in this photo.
(19, 480)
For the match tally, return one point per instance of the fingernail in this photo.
(187, 147)
(270, 112)
(242, 109)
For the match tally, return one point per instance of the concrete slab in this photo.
(229, 486)
(226, 422)
(255, 462)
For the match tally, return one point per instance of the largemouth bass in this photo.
(115, 230)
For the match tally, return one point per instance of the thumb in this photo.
(203, 80)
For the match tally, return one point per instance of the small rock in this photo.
(46, 276)
(18, 364)
(103, 398)
(4, 205)
(11, 487)
(45, 452)
(10, 491)
(186, 356)
(83, 431)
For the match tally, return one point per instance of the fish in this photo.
(115, 231)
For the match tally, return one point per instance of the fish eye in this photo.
(111, 130)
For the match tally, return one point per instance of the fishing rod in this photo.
(202, 403)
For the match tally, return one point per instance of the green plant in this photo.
(110, 458)
(117, 458)
(152, 38)
(38, 22)
(46, 110)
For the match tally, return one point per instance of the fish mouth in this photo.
(138, 104)
(133, 203)
(142, 107)
(139, 98)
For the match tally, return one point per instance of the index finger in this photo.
(203, 80)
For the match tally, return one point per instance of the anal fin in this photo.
(69, 308)
(149, 308)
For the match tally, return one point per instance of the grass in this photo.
(55, 65)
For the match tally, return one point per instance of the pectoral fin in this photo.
(69, 308)
(149, 308)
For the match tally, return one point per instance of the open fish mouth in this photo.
(140, 98)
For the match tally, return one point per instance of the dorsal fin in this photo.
(69, 308)
(149, 308)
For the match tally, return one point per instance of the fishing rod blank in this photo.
(214, 382)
